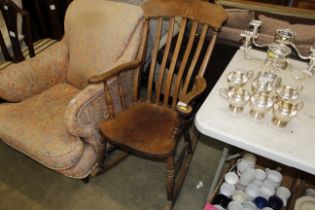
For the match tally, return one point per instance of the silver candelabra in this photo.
(280, 49)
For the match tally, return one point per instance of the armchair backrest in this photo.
(100, 34)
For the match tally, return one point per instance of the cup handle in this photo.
(267, 170)
(299, 89)
(224, 93)
(250, 74)
(299, 106)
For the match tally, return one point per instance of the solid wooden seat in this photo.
(127, 129)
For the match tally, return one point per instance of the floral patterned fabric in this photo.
(36, 128)
(96, 49)
(20, 81)
(55, 122)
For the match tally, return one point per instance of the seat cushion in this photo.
(36, 127)
(145, 128)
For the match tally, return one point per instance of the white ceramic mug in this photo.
(243, 165)
(235, 205)
(257, 182)
(284, 194)
(239, 196)
(273, 177)
(249, 157)
(227, 189)
(252, 191)
(231, 178)
(249, 205)
(240, 187)
(247, 177)
(260, 174)
(267, 191)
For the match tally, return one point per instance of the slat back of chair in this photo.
(174, 79)
(10, 13)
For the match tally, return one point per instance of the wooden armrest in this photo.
(269, 8)
(115, 71)
(183, 106)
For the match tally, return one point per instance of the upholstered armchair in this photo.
(55, 112)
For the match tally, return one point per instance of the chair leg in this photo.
(170, 181)
(188, 142)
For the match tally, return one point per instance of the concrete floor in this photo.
(135, 184)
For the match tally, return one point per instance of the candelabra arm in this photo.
(298, 52)
(259, 45)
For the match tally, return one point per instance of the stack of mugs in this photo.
(250, 188)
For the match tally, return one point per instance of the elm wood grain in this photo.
(115, 71)
(10, 13)
(203, 12)
(154, 54)
(171, 70)
(155, 122)
(151, 127)
(141, 55)
(165, 56)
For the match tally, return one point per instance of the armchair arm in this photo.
(183, 106)
(30, 77)
(115, 71)
(89, 99)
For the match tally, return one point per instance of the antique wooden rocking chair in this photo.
(151, 127)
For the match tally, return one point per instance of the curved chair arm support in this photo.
(30, 77)
(76, 107)
(184, 105)
(115, 71)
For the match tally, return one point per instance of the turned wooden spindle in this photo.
(121, 93)
(109, 101)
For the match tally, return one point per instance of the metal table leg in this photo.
(218, 172)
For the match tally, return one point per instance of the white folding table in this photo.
(293, 145)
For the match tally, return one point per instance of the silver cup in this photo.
(266, 82)
(236, 97)
(288, 93)
(239, 79)
(284, 111)
(260, 103)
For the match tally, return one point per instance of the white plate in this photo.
(305, 203)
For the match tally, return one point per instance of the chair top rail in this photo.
(203, 12)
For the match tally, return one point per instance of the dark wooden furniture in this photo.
(47, 17)
(153, 125)
(53, 26)
(307, 4)
(10, 13)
